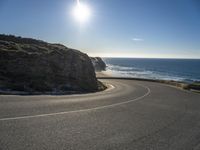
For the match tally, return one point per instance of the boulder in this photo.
(98, 64)
(35, 66)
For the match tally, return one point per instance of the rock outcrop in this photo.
(98, 64)
(35, 66)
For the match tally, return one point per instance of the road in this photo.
(129, 115)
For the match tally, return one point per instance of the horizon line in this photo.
(147, 57)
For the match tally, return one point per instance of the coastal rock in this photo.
(98, 64)
(36, 66)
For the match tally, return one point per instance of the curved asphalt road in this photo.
(132, 115)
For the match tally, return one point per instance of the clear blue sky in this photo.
(118, 28)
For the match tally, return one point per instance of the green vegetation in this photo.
(193, 86)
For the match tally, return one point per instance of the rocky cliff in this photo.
(35, 66)
(98, 64)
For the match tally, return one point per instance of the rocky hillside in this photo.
(98, 64)
(35, 66)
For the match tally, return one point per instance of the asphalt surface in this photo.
(131, 115)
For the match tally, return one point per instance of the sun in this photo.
(81, 12)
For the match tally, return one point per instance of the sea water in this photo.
(187, 70)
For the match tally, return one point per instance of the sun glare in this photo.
(81, 12)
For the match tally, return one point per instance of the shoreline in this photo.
(193, 87)
(101, 74)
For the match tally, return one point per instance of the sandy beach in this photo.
(103, 74)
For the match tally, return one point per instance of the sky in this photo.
(116, 28)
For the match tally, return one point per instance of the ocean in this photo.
(186, 70)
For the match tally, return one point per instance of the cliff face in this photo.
(31, 65)
(98, 64)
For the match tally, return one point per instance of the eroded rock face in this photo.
(31, 65)
(98, 64)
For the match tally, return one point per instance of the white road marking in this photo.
(110, 87)
(82, 110)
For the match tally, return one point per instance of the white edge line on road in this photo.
(110, 87)
(82, 110)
